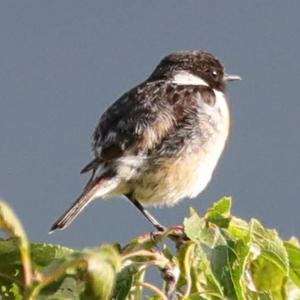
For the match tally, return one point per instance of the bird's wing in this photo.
(133, 125)
(143, 118)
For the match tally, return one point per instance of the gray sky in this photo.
(63, 62)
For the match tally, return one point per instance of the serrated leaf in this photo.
(266, 276)
(222, 259)
(199, 231)
(294, 260)
(238, 267)
(203, 279)
(239, 228)
(219, 214)
(226, 257)
(269, 264)
(270, 245)
(43, 254)
(192, 226)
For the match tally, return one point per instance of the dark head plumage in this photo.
(199, 63)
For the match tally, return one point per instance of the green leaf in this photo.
(193, 225)
(203, 279)
(222, 258)
(124, 282)
(102, 266)
(269, 264)
(16, 291)
(199, 231)
(240, 229)
(43, 254)
(238, 267)
(270, 246)
(219, 257)
(219, 214)
(128, 279)
(11, 224)
(67, 290)
(11, 269)
(185, 259)
(10, 291)
(224, 253)
(94, 271)
(266, 276)
(11, 265)
(294, 260)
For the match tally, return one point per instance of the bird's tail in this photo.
(94, 189)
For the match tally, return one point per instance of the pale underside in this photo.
(180, 177)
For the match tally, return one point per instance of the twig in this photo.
(158, 258)
(139, 253)
(186, 263)
(27, 269)
(171, 276)
(154, 289)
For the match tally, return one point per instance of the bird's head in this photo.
(193, 67)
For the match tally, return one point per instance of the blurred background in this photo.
(62, 63)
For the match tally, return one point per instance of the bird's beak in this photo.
(231, 77)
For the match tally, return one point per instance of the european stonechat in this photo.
(160, 142)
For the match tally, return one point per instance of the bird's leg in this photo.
(148, 216)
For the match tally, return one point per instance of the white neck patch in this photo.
(186, 78)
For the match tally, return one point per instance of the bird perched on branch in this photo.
(160, 142)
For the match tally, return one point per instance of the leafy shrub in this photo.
(217, 256)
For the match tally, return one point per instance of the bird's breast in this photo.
(186, 172)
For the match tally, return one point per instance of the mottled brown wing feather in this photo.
(134, 123)
(142, 118)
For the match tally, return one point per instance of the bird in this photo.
(160, 142)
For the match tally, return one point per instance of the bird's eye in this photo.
(214, 73)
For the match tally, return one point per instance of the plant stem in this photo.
(171, 276)
(154, 289)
